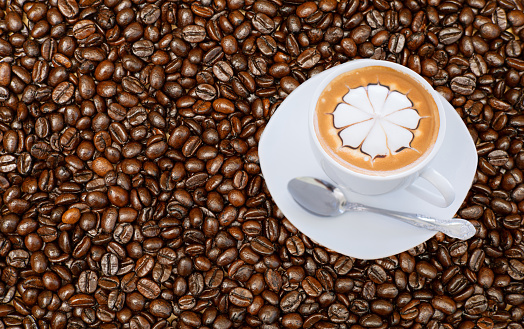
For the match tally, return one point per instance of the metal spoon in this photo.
(325, 199)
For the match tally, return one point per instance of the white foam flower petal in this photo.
(358, 98)
(408, 118)
(377, 96)
(397, 137)
(375, 143)
(346, 115)
(354, 135)
(396, 101)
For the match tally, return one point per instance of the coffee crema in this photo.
(376, 120)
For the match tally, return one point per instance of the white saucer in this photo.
(285, 153)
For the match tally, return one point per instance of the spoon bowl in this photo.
(328, 199)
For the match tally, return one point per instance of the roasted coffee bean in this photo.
(7, 163)
(88, 282)
(450, 35)
(476, 304)
(143, 48)
(223, 71)
(312, 286)
(148, 288)
(515, 269)
(463, 85)
(83, 29)
(109, 264)
(160, 308)
(68, 8)
(82, 300)
(116, 300)
(193, 33)
(295, 246)
(308, 58)
(18, 258)
(444, 304)
(377, 274)
(240, 297)
(109, 282)
(396, 43)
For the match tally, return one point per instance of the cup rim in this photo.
(361, 63)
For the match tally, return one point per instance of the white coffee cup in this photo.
(366, 184)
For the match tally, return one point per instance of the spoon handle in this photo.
(455, 227)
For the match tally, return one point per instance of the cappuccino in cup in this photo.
(376, 121)
(374, 127)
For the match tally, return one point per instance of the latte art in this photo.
(375, 120)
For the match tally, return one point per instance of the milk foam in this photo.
(375, 120)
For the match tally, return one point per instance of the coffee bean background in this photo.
(131, 188)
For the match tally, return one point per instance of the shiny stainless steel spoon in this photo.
(325, 199)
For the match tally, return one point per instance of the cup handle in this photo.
(440, 183)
